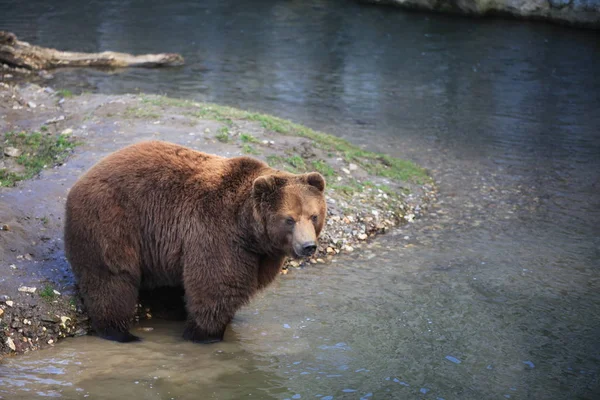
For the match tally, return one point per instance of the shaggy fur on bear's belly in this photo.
(157, 214)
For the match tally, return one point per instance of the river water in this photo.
(495, 294)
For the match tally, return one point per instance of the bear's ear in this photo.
(315, 179)
(266, 184)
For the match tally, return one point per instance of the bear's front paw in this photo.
(198, 335)
(118, 336)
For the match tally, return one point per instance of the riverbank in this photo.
(581, 14)
(367, 193)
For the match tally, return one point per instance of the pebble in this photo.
(12, 152)
(348, 248)
(5, 227)
(56, 292)
(31, 104)
(50, 341)
(346, 171)
(1, 312)
(352, 167)
(27, 289)
(11, 344)
(362, 236)
(56, 119)
(320, 260)
(67, 131)
(9, 303)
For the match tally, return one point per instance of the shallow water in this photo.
(495, 294)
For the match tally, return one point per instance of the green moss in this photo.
(47, 293)
(39, 151)
(248, 138)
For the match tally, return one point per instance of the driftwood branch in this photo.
(21, 54)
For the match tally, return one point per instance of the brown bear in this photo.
(157, 214)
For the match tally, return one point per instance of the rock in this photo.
(1, 312)
(352, 167)
(31, 104)
(348, 248)
(27, 289)
(5, 227)
(362, 236)
(9, 303)
(346, 171)
(67, 131)
(50, 341)
(582, 13)
(56, 292)
(11, 344)
(55, 120)
(12, 152)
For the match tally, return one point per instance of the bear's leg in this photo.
(210, 309)
(110, 303)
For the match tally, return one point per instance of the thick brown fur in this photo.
(157, 214)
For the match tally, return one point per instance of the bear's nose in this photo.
(309, 248)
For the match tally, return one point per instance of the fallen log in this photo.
(16, 53)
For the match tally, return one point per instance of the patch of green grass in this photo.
(39, 151)
(346, 189)
(64, 93)
(373, 163)
(323, 168)
(275, 161)
(138, 112)
(296, 162)
(248, 149)
(223, 135)
(248, 138)
(47, 293)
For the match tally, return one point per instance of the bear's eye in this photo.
(290, 221)
(314, 218)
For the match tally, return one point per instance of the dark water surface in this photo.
(495, 294)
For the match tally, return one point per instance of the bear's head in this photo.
(292, 210)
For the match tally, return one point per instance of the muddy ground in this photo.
(38, 303)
